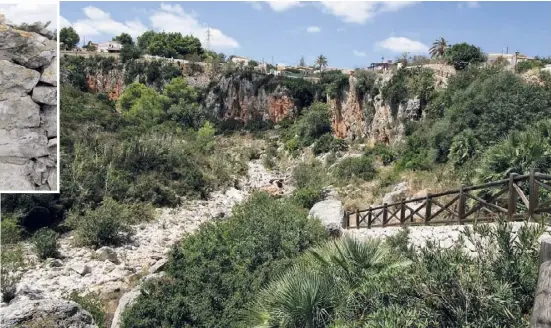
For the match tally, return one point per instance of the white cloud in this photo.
(313, 29)
(402, 44)
(64, 22)
(100, 22)
(470, 4)
(28, 12)
(359, 53)
(280, 6)
(360, 12)
(173, 18)
(255, 4)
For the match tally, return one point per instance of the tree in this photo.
(462, 54)
(302, 62)
(438, 48)
(124, 39)
(321, 61)
(69, 37)
(90, 46)
(129, 51)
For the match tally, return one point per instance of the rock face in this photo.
(28, 111)
(369, 116)
(243, 99)
(330, 213)
(45, 312)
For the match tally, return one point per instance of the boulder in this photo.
(126, 301)
(107, 253)
(330, 213)
(45, 95)
(16, 79)
(81, 268)
(46, 312)
(398, 192)
(14, 177)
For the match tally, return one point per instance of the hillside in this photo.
(186, 194)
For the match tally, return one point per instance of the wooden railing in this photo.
(483, 202)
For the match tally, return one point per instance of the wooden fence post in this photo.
(513, 196)
(345, 220)
(533, 197)
(462, 201)
(402, 211)
(369, 215)
(385, 214)
(357, 219)
(541, 312)
(428, 208)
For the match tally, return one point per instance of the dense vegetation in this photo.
(215, 273)
(349, 283)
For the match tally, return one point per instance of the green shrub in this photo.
(309, 175)
(9, 229)
(107, 224)
(307, 197)
(518, 153)
(45, 243)
(327, 143)
(292, 145)
(313, 124)
(385, 153)
(92, 304)
(213, 274)
(330, 159)
(205, 141)
(358, 167)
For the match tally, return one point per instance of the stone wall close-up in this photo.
(28, 110)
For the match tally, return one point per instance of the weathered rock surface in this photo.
(27, 49)
(241, 99)
(28, 111)
(45, 312)
(330, 213)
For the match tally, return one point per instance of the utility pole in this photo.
(208, 38)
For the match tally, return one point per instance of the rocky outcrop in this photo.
(369, 116)
(28, 110)
(111, 82)
(45, 312)
(240, 98)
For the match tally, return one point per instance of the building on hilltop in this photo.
(110, 46)
(512, 59)
(240, 60)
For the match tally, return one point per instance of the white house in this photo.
(238, 60)
(111, 46)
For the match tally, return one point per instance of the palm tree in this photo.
(321, 61)
(438, 48)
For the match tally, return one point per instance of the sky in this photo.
(26, 12)
(349, 34)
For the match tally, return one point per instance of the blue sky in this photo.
(349, 34)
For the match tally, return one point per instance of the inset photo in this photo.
(28, 97)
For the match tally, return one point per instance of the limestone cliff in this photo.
(28, 110)
(368, 115)
(250, 98)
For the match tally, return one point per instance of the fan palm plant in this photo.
(323, 282)
(438, 48)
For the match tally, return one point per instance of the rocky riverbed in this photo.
(112, 271)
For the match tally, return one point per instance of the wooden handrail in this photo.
(510, 186)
